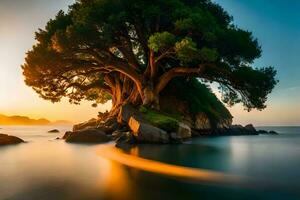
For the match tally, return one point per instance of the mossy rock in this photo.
(161, 120)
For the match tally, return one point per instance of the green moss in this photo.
(160, 120)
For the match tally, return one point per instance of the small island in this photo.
(139, 99)
(155, 70)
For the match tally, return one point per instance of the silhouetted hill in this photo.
(23, 120)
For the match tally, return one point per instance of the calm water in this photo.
(45, 168)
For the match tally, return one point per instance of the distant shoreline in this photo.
(71, 124)
(24, 121)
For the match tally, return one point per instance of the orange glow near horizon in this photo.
(19, 21)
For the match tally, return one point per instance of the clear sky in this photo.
(275, 23)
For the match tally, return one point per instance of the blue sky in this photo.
(276, 24)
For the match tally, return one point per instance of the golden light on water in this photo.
(111, 153)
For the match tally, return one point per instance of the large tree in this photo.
(129, 50)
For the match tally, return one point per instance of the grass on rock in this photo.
(161, 120)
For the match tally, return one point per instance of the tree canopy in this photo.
(129, 50)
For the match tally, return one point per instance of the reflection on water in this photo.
(45, 168)
(136, 162)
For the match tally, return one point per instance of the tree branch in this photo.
(177, 71)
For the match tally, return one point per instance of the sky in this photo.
(275, 23)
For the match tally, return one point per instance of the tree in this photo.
(129, 50)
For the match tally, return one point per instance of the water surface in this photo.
(45, 168)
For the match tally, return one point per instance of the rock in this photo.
(273, 132)
(109, 126)
(87, 136)
(263, 132)
(53, 131)
(57, 138)
(183, 132)
(188, 120)
(125, 140)
(175, 139)
(67, 134)
(236, 130)
(144, 132)
(92, 123)
(250, 128)
(116, 134)
(8, 139)
(202, 122)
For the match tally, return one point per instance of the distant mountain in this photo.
(23, 120)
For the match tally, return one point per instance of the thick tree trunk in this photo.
(124, 91)
(150, 97)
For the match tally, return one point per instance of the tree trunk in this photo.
(123, 92)
(150, 97)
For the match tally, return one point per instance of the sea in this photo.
(223, 167)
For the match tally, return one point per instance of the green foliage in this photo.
(209, 55)
(98, 38)
(161, 40)
(164, 121)
(199, 98)
(186, 50)
(254, 86)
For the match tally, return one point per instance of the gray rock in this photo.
(125, 140)
(238, 130)
(116, 134)
(8, 139)
(87, 136)
(92, 123)
(250, 128)
(263, 132)
(175, 139)
(53, 131)
(273, 132)
(183, 132)
(144, 132)
(67, 134)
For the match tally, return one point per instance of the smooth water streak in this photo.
(189, 173)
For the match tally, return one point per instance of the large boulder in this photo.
(67, 134)
(109, 125)
(92, 123)
(183, 132)
(125, 140)
(250, 128)
(86, 136)
(8, 139)
(237, 130)
(144, 132)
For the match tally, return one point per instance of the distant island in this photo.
(24, 120)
